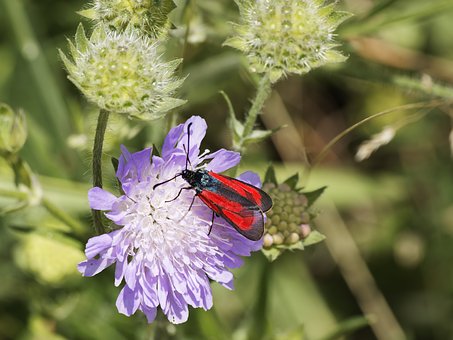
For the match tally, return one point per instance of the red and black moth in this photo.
(240, 204)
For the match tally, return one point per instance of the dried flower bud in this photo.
(123, 73)
(149, 16)
(280, 37)
(13, 130)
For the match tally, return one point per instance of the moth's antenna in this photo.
(168, 180)
(188, 145)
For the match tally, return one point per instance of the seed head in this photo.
(148, 16)
(280, 36)
(123, 72)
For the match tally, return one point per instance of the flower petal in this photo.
(251, 178)
(127, 301)
(150, 312)
(133, 166)
(100, 199)
(222, 160)
(94, 266)
(98, 244)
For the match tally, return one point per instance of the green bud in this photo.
(292, 238)
(13, 130)
(267, 241)
(305, 230)
(272, 230)
(287, 225)
(281, 37)
(123, 73)
(278, 239)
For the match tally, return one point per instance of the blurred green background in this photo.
(386, 267)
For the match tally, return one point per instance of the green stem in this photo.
(97, 165)
(13, 194)
(259, 322)
(262, 93)
(62, 216)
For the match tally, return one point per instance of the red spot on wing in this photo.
(248, 191)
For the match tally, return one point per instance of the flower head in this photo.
(149, 16)
(163, 250)
(280, 36)
(123, 72)
(289, 223)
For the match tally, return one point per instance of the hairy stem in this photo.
(97, 165)
(262, 93)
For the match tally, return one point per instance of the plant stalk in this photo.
(97, 165)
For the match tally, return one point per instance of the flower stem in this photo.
(97, 164)
(62, 216)
(262, 93)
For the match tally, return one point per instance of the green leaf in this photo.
(313, 238)
(348, 326)
(235, 125)
(270, 177)
(115, 163)
(312, 196)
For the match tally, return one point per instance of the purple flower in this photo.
(163, 251)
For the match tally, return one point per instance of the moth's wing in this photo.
(248, 191)
(245, 216)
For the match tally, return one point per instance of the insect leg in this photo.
(212, 222)
(191, 203)
(179, 193)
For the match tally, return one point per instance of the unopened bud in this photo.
(13, 130)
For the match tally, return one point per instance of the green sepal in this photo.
(312, 196)
(89, 13)
(155, 151)
(313, 238)
(272, 253)
(292, 181)
(81, 39)
(270, 176)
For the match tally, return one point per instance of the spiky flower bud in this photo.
(280, 36)
(288, 223)
(148, 16)
(123, 73)
(13, 130)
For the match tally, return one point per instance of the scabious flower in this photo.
(280, 36)
(148, 16)
(160, 248)
(123, 72)
(289, 225)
